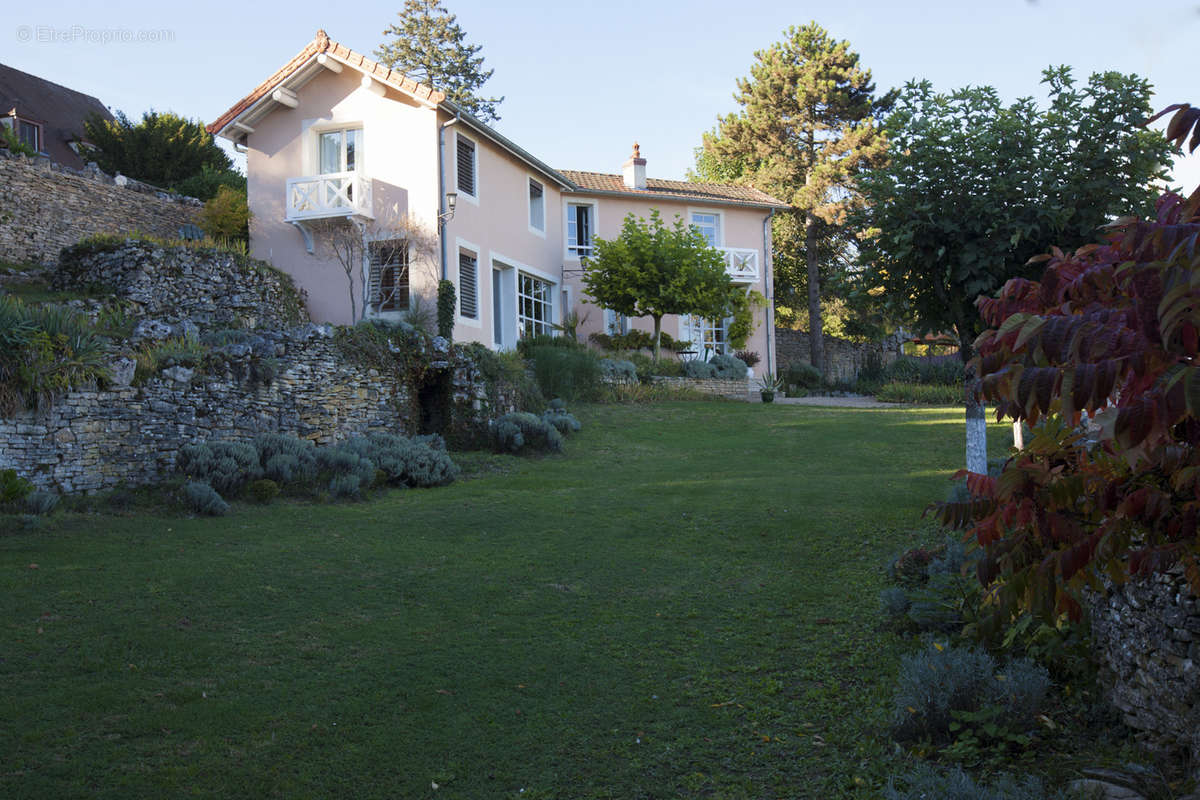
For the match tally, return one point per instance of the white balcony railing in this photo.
(335, 194)
(741, 264)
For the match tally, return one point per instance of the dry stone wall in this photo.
(1147, 638)
(731, 389)
(94, 440)
(45, 207)
(844, 359)
(210, 287)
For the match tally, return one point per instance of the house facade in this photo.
(340, 148)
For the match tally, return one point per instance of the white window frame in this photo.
(39, 132)
(463, 246)
(312, 143)
(719, 214)
(548, 321)
(519, 267)
(615, 322)
(595, 220)
(462, 194)
(540, 232)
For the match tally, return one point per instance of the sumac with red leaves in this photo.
(1109, 337)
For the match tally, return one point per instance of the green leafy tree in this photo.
(975, 188)
(652, 270)
(163, 149)
(429, 46)
(806, 129)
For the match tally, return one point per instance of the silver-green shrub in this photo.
(941, 680)
(535, 434)
(225, 466)
(618, 369)
(700, 369)
(420, 462)
(41, 502)
(727, 367)
(927, 783)
(203, 499)
(285, 458)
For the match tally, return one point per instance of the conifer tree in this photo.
(429, 46)
(806, 128)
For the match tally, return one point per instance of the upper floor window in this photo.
(579, 229)
(537, 206)
(339, 150)
(709, 225)
(467, 168)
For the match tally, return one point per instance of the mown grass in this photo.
(684, 605)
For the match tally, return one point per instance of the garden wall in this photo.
(1147, 639)
(93, 440)
(46, 207)
(844, 358)
(208, 286)
(734, 390)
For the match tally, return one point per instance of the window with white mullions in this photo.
(30, 134)
(340, 150)
(466, 166)
(389, 275)
(579, 229)
(709, 225)
(534, 305)
(468, 286)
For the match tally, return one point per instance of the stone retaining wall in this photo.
(94, 440)
(46, 207)
(843, 358)
(1147, 639)
(734, 390)
(210, 287)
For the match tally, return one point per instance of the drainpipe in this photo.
(442, 188)
(769, 286)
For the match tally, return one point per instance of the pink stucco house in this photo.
(333, 135)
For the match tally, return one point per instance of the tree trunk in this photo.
(976, 419)
(816, 342)
(657, 335)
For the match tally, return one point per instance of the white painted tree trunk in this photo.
(976, 433)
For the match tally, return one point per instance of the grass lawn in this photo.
(684, 605)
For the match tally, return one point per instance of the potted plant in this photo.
(769, 384)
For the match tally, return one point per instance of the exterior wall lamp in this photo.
(451, 203)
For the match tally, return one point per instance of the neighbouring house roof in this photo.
(719, 194)
(59, 110)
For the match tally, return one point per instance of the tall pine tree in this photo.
(806, 128)
(429, 46)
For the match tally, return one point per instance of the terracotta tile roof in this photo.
(684, 190)
(323, 44)
(59, 110)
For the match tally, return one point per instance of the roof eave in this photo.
(497, 138)
(714, 201)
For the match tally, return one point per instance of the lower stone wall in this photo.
(94, 440)
(1147, 639)
(46, 207)
(734, 390)
(844, 359)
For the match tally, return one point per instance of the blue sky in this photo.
(584, 80)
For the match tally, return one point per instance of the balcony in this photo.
(740, 265)
(335, 194)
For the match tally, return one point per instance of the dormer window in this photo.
(27, 133)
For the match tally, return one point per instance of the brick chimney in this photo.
(635, 169)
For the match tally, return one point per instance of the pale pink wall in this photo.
(495, 226)
(741, 228)
(398, 153)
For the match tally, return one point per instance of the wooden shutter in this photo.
(468, 286)
(466, 166)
